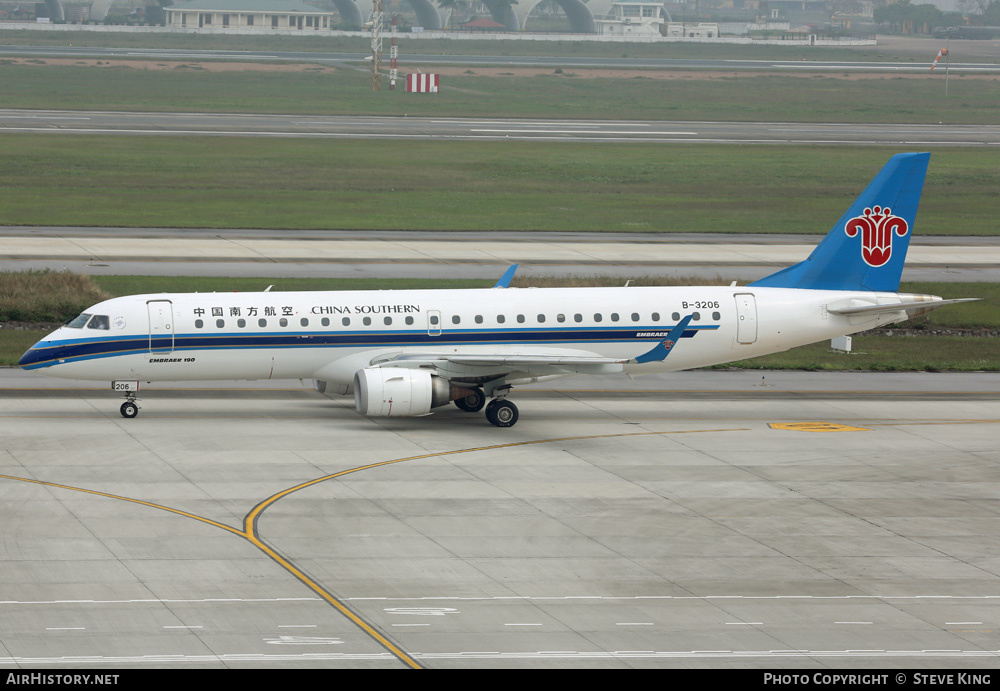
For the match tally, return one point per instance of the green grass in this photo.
(209, 182)
(888, 354)
(14, 342)
(117, 286)
(970, 315)
(348, 92)
(46, 296)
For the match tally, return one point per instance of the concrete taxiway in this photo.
(416, 254)
(700, 519)
(910, 136)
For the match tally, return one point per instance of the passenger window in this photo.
(283, 322)
(434, 320)
(598, 317)
(520, 319)
(656, 316)
(479, 319)
(100, 321)
(325, 321)
(635, 316)
(262, 322)
(455, 319)
(578, 318)
(221, 323)
(346, 321)
(560, 318)
(541, 318)
(614, 316)
(387, 321)
(409, 320)
(696, 317)
(304, 321)
(501, 319)
(367, 321)
(716, 316)
(676, 316)
(241, 323)
(198, 323)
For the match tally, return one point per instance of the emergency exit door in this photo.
(746, 316)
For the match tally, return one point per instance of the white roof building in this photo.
(249, 14)
(632, 17)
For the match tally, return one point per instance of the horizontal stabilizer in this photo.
(923, 306)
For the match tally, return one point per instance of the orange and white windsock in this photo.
(941, 54)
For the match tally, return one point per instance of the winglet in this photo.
(662, 349)
(508, 275)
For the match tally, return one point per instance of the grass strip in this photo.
(207, 182)
(562, 93)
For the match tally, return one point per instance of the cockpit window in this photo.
(78, 322)
(100, 321)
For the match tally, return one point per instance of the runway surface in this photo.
(414, 254)
(986, 65)
(469, 129)
(701, 519)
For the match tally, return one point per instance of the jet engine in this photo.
(397, 392)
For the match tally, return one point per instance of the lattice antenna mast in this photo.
(377, 17)
(393, 54)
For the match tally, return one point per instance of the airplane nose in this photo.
(33, 357)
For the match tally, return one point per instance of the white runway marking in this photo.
(522, 598)
(493, 655)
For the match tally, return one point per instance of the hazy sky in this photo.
(946, 5)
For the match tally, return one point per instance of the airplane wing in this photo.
(508, 275)
(457, 365)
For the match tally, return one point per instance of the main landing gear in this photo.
(472, 403)
(499, 411)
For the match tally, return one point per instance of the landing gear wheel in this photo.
(501, 413)
(472, 403)
(129, 409)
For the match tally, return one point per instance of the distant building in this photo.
(483, 24)
(637, 18)
(692, 30)
(248, 14)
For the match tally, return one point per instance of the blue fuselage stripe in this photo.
(85, 349)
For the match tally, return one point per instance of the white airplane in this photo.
(406, 352)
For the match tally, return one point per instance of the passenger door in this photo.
(161, 326)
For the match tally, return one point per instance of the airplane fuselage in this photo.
(330, 335)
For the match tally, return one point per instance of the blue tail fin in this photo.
(866, 249)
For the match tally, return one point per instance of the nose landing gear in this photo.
(129, 409)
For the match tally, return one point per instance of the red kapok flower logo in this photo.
(877, 227)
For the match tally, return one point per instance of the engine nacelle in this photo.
(397, 392)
